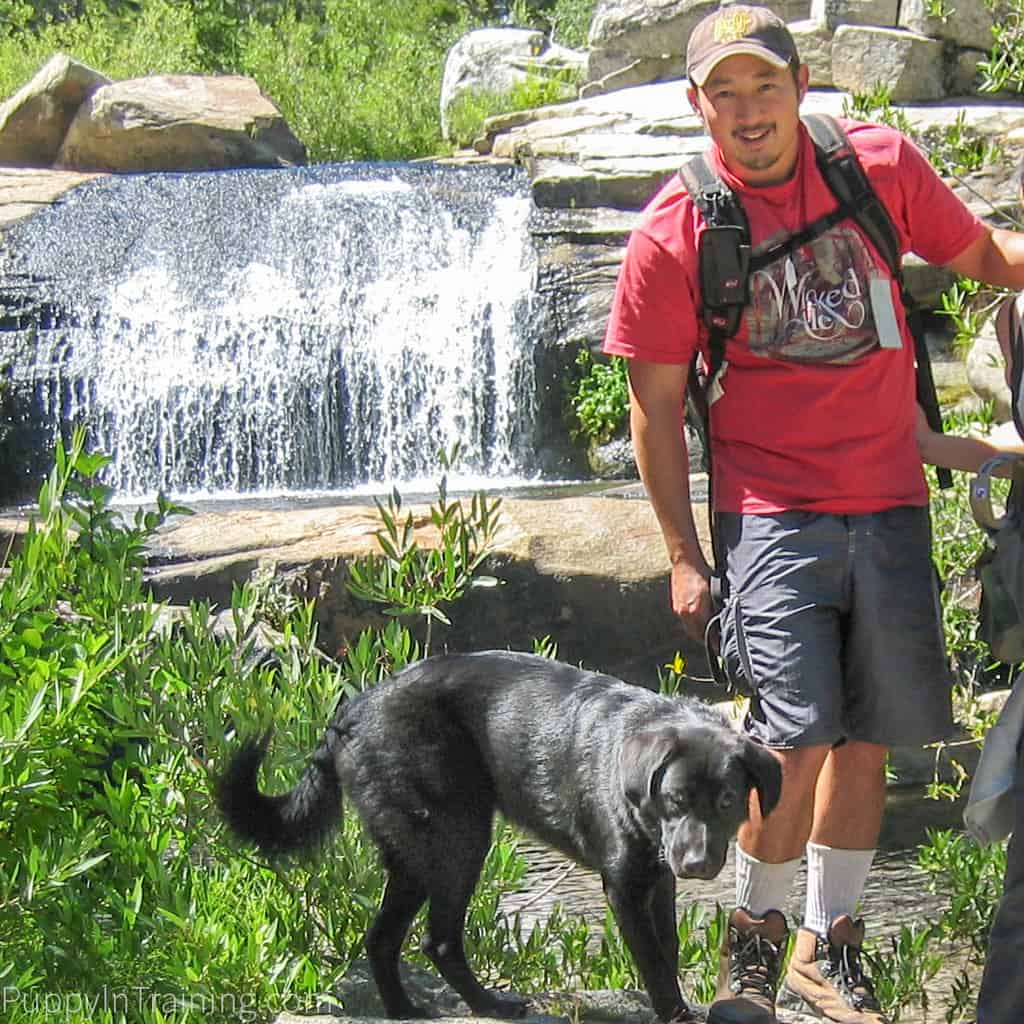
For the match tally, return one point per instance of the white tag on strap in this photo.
(880, 291)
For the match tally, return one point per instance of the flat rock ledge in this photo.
(622, 1006)
(589, 571)
(26, 190)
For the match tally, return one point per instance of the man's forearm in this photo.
(663, 461)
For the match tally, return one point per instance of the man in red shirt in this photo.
(831, 620)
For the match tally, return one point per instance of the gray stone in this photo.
(788, 10)
(34, 120)
(495, 60)
(966, 23)
(634, 42)
(626, 186)
(986, 371)
(566, 575)
(624, 30)
(640, 71)
(179, 123)
(910, 66)
(834, 13)
(965, 75)
(360, 1001)
(813, 40)
(614, 460)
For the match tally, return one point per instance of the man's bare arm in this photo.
(997, 257)
(657, 396)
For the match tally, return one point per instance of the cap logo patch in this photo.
(733, 25)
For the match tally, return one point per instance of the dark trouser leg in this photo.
(1001, 999)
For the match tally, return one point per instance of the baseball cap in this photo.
(738, 28)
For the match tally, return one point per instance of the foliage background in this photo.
(355, 79)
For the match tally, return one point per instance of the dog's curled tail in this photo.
(288, 823)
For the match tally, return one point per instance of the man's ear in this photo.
(691, 95)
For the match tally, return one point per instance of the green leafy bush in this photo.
(470, 110)
(1004, 68)
(598, 399)
(161, 38)
(115, 888)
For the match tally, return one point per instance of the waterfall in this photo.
(317, 329)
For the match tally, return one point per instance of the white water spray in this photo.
(326, 335)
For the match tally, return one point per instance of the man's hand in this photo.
(691, 598)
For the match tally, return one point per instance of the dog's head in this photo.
(691, 788)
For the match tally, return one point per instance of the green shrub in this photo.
(570, 22)
(160, 39)
(115, 885)
(598, 398)
(362, 83)
(469, 111)
(956, 150)
(1004, 68)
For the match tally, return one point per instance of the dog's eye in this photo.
(726, 800)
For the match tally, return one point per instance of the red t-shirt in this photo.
(815, 413)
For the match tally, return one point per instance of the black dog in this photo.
(636, 786)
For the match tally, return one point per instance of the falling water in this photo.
(282, 331)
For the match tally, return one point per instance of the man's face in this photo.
(752, 111)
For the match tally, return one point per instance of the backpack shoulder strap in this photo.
(844, 175)
(723, 254)
(849, 183)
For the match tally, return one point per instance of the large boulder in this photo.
(633, 42)
(495, 60)
(968, 25)
(34, 120)
(813, 40)
(834, 13)
(649, 36)
(568, 569)
(179, 123)
(909, 65)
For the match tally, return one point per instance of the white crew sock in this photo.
(835, 883)
(761, 886)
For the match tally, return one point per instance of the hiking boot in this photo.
(827, 975)
(750, 968)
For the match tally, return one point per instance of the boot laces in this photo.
(843, 967)
(754, 964)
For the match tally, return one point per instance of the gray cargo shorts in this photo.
(833, 626)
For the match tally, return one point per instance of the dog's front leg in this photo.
(644, 906)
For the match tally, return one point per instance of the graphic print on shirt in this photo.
(813, 305)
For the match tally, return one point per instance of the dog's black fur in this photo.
(636, 786)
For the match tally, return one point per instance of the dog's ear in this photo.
(765, 773)
(643, 759)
